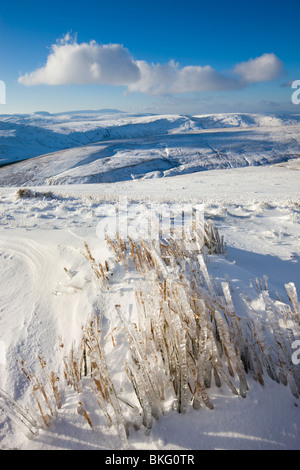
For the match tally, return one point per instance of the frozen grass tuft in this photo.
(25, 193)
(187, 340)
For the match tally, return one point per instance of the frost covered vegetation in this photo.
(186, 340)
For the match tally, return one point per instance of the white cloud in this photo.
(262, 69)
(163, 79)
(86, 63)
(91, 63)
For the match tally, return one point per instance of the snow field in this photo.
(58, 293)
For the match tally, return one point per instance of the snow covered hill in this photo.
(27, 136)
(102, 148)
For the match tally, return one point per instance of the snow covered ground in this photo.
(249, 190)
(167, 144)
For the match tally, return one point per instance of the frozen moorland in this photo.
(149, 344)
(106, 148)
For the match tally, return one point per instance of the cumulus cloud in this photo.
(262, 69)
(91, 63)
(86, 63)
(162, 79)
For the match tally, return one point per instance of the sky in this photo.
(161, 56)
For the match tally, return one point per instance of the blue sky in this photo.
(165, 47)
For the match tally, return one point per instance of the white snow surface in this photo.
(250, 190)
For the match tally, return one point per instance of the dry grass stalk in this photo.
(19, 415)
(40, 392)
(293, 297)
(90, 358)
(45, 417)
(23, 193)
(54, 379)
(52, 382)
(82, 412)
(72, 366)
(213, 337)
(142, 370)
(96, 267)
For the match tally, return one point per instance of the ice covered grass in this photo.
(184, 339)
